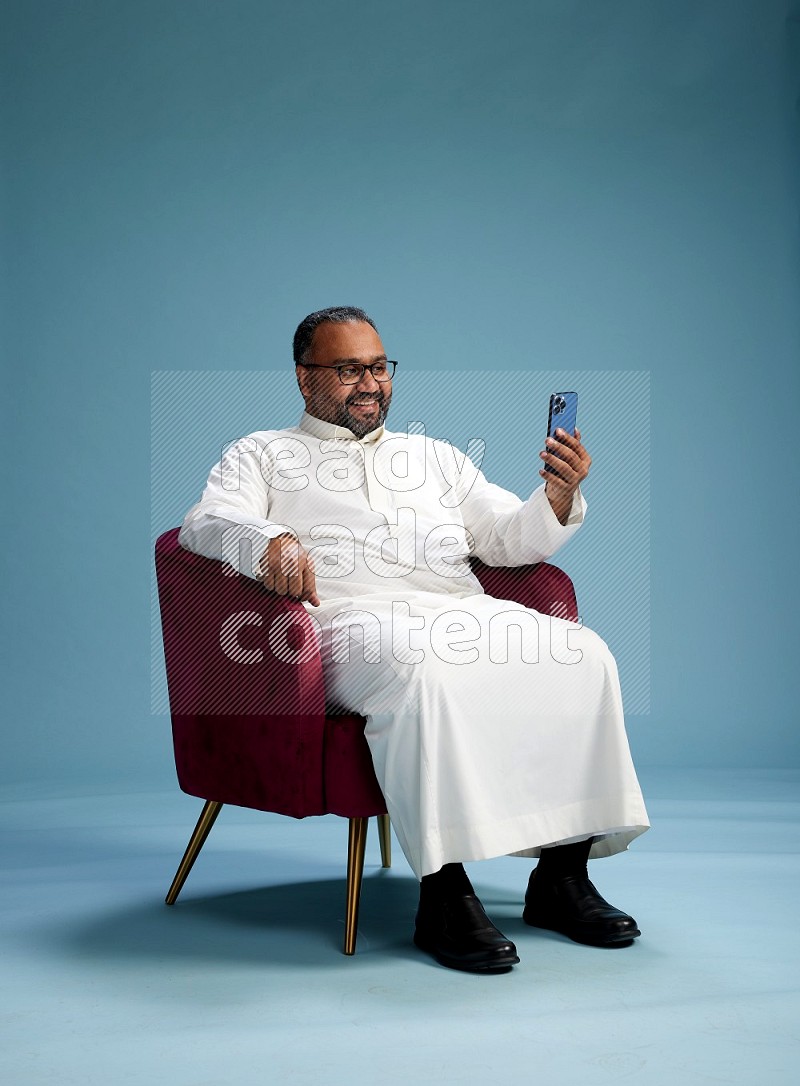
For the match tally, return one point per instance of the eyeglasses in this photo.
(353, 372)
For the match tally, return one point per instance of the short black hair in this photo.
(335, 314)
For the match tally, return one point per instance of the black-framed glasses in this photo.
(351, 373)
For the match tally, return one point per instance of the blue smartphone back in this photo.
(563, 415)
(563, 412)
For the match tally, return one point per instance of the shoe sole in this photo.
(491, 965)
(613, 942)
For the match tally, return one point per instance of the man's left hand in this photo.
(572, 464)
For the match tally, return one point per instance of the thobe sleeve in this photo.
(231, 521)
(509, 532)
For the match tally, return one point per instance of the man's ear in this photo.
(301, 373)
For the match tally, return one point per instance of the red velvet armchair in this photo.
(251, 729)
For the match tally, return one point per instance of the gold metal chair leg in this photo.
(385, 837)
(196, 842)
(356, 846)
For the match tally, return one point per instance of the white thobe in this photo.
(493, 729)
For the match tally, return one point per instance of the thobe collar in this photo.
(327, 430)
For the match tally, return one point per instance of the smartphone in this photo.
(563, 415)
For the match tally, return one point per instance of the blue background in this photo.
(507, 188)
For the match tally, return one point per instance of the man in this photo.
(480, 750)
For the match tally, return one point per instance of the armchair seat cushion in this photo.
(251, 760)
(351, 787)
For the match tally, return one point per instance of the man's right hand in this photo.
(287, 570)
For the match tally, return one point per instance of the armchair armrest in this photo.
(545, 588)
(245, 686)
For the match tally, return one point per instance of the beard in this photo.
(352, 420)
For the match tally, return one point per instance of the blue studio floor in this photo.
(243, 981)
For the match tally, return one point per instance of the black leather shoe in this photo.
(459, 934)
(572, 906)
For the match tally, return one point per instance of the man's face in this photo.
(360, 408)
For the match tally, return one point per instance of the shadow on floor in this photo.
(299, 923)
